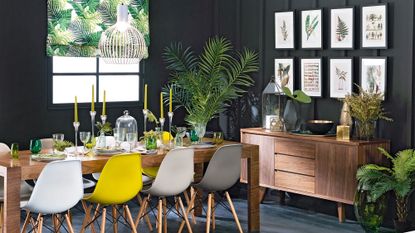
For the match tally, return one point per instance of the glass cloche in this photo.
(128, 123)
(273, 101)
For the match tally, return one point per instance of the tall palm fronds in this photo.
(204, 85)
(379, 180)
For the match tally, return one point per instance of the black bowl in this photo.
(319, 126)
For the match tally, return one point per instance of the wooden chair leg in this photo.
(192, 201)
(146, 218)
(40, 224)
(235, 216)
(55, 222)
(208, 214)
(186, 219)
(26, 221)
(114, 219)
(69, 223)
(104, 217)
(160, 216)
(164, 215)
(213, 212)
(87, 217)
(130, 219)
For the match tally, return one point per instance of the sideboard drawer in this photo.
(294, 181)
(295, 164)
(295, 147)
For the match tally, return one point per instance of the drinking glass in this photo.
(119, 136)
(180, 132)
(15, 151)
(84, 137)
(35, 146)
(131, 139)
(57, 137)
(193, 136)
(218, 138)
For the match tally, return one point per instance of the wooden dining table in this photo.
(25, 168)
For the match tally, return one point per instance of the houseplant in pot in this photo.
(204, 85)
(366, 109)
(377, 181)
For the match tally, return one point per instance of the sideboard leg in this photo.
(341, 212)
(262, 193)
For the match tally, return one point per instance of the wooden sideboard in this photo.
(320, 167)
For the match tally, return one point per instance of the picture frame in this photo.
(311, 77)
(284, 72)
(340, 77)
(373, 74)
(284, 30)
(374, 28)
(311, 29)
(342, 28)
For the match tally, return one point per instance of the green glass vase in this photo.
(369, 212)
(151, 143)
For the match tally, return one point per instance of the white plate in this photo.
(144, 151)
(202, 146)
(47, 157)
(108, 151)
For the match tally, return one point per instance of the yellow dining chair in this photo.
(118, 183)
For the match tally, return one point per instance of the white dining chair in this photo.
(47, 143)
(58, 189)
(173, 178)
(222, 173)
(25, 189)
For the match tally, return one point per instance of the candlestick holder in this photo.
(103, 119)
(76, 125)
(170, 114)
(162, 121)
(93, 114)
(145, 113)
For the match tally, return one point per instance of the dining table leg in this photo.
(199, 193)
(11, 216)
(253, 190)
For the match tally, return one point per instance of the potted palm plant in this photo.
(378, 180)
(204, 85)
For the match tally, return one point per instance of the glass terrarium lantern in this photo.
(273, 102)
(128, 125)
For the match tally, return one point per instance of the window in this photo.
(74, 76)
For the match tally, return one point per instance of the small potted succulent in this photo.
(150, 140)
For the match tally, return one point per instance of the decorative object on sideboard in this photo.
(400, 179)
(319, 127)
(291, 117)
(343, 132)
(374, 28)
(205, 85)
(284, 30)
(122, 43)
(366, 109)
(345, 117)
(273, 102)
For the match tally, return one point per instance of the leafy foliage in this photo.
(379, 180)
(75, 26)
(310, 27)
(204, 85)
(106, 128)
(342, 30)
(297, 95)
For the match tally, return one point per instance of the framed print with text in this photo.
(311, 81)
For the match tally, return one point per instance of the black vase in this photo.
(369, 213)
(291, 116)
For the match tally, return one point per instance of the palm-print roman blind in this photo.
(75, 26)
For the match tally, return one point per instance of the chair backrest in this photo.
(4, 148)
(175, 173)
(47, 143)
(58, 188)
(120, 180)
(224, 168)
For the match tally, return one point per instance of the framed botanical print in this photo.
(373, 71)
(311, 81)
(311, 29)
(341, 77)
(284, 30)
(284, 72)
(374, 29)
(342, 28)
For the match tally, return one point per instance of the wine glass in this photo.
(119, 136)
(84, 137)
(131, 139)
(218, 138)
(35, 146)
(200, 131)
(180, 132)
(57, 137)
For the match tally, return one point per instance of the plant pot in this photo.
(401, 226)
(369, 213)
(365, 130)
(291, 119)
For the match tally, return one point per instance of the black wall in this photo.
(24, 113)
(254, 27)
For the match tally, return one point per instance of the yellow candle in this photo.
(161, 105)
(93, 99)
(76, 109)
(171, 100)
(145, 96)
(104, 103)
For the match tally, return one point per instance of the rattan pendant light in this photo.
(122, 43)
